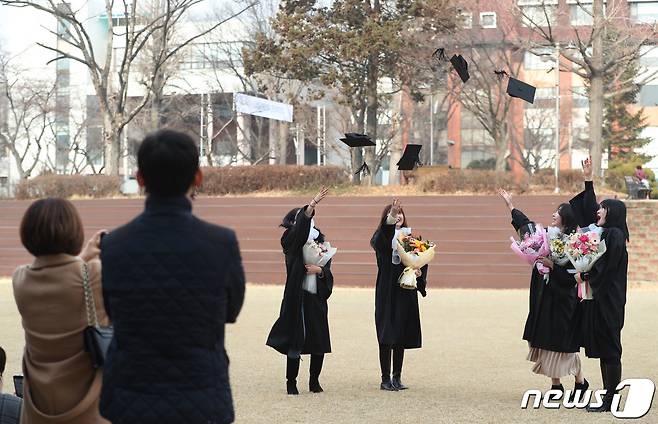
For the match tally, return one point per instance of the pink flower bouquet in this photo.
(583, 250)
(531, 247)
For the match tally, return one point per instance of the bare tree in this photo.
(150, 23)
(598, 52)
(29, 104)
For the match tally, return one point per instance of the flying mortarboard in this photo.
(409, 158)
(457, 61)
(519, 89)
(357, 140)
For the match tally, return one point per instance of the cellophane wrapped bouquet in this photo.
(414, 253)
(316, 254)
(558, 243)
(532, 246)
(583, 250)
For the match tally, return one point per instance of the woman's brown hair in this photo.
(387, 210)
(51, 226)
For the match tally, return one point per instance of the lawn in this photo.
(471, 368)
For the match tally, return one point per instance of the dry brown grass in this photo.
(471, 368)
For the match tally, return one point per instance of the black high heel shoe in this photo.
(395, 382)
(388, 386)
(578, 386)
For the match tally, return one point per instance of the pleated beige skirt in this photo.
(554, 364)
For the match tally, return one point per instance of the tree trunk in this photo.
(501, 148)
(156, 102)
(596, 90)
(399, 142)
(371, 113)
(111, 146)
(284, 133)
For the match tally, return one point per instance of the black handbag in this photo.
(96, 338)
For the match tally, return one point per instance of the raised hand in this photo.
(397, 206)
(587, 168)
(316, 199)
(506, 197)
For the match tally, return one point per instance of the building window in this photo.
(544, 98)
(488, 19)
(538, 13)
(644, 12)
(540, 59)
(649, 58)
(579, 97)
(466, 19)
(649, 95)
(211, 55)
(581, 14)
(580, 138)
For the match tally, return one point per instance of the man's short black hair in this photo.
(168, 161)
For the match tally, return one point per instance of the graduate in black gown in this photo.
(302, 326)
(397, 317)
(603, 316)
(553, 326)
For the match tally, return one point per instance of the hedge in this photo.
(249, 179)
(96, 186)
(471, 180)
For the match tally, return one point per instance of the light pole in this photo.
(557, 117)
(431, 129)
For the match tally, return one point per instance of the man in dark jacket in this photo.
(170, 283)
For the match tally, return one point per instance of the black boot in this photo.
(559, 387)
(316, 368)
(385, 364)
(292, 370)
(612, 379)
(582, 387)
(398, 359)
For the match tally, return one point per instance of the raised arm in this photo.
(384, 233)
(584, 204)
(519, 219)
(296, 236)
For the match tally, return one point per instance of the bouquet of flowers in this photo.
(558, 242)
(414, 253)
(531, 246)
(583, 250)
(316, 254)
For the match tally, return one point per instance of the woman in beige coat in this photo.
(60, 384)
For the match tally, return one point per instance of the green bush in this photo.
(249, 179)
(96, 186)
(482, 164)
(617, 170)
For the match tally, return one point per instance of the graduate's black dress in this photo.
(603, 316)
(554, 315)
(397, 317)
(302, 326)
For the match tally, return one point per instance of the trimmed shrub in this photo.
(471, 180)
(570, 181)
(96, 186)
(249, 179)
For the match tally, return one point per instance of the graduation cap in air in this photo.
(519, 89)
(359, 140)
(457, 61)
(410, 158)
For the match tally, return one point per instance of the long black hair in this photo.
(615, 215)
(289, 221)
(569, 221)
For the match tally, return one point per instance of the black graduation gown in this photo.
(302, 325)
(603, 316)
(554, 315)
(397, 317)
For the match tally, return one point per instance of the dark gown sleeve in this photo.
(326, 283)
(599, 274)
(235, 283)
(296, 236)
(383, 236)
(421, 282)
(585, 206)
(519, 219)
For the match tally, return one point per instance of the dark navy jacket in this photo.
(170, 283)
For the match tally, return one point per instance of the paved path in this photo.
(472, 234)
